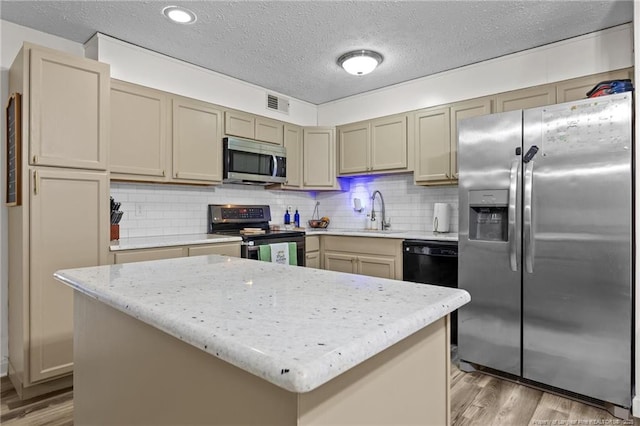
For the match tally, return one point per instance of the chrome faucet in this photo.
(384, 224)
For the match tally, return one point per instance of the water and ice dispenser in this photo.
(488, 215)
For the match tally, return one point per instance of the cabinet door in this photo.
(130, 256)
(389, 143)
(240, 124)
(312, 260)
(197, 141)
(526, 98)
(293, 145)
(433, 145)
(377, 266)
(340, 262)
(138, 130)
(268, 130)
(577, 88)
(319, 152)
(353, 142)
(69, 229)
(459, 111)
(231, 249)
(69, 111)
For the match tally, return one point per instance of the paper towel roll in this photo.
(441, 213)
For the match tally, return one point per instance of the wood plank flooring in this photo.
(476, 399)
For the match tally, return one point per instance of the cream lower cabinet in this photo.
(64, 225)
(312, 252)
(375, 257)
(141, 255)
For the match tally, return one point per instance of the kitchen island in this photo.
(221, 340)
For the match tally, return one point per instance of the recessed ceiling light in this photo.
(179, 14)
(360, 62)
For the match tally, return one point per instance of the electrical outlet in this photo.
(289, 208)
(139, 210)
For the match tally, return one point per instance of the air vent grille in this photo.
(277, 103)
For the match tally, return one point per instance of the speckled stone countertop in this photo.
(169, 240)
(403, 235)
(190, 239)
(292, 326)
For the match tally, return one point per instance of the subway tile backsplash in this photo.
(151, 209)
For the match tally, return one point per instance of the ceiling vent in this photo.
(277, 103)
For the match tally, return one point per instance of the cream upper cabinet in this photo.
(373, 145)
(577, 88)
(268, 130)
(245, 125)
(69, 229)
(354, 140)
(319, 158)
(433, 145)
(460, 111)
(138, 130)
(293, 145)
(531, 97)
(69, 110)
(197, 141)
(389, 143)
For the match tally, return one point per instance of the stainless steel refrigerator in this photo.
(545, 245)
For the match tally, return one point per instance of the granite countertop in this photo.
(169, 240)
(292, 326)
(404, 235)
(191, 239)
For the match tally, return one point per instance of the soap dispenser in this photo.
(287, 217)
(296, 219)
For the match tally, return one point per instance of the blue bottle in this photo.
(287, 217)
(296, 219)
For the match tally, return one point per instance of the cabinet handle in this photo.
(447, 175)
(35, 159)
(176, 174)
(35, 182)
(163, 173)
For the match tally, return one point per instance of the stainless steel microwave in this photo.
(247, 161)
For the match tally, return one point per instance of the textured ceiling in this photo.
(291, 46)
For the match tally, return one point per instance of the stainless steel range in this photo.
(251, 223)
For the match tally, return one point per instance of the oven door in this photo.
(250, 249)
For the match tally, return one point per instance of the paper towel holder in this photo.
(357, 205)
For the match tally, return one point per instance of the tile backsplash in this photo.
(151, 209)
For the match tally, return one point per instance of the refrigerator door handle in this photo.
(527, 217)
(512, 232)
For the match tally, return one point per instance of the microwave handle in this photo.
(274, 166)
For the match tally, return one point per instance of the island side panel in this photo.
(407, 384)
(127, 372)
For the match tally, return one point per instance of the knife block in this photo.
(115, 232)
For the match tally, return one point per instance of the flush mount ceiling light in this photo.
(360, 62)
(179, 14)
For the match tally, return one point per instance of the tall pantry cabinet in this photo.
(62, 221)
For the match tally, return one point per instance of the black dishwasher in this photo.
(432, 262)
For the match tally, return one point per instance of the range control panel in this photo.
(238, 214)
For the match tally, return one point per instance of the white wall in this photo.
(12, 36)
(141, 66)
(589, 54)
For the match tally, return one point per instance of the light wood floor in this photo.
(476, 399)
